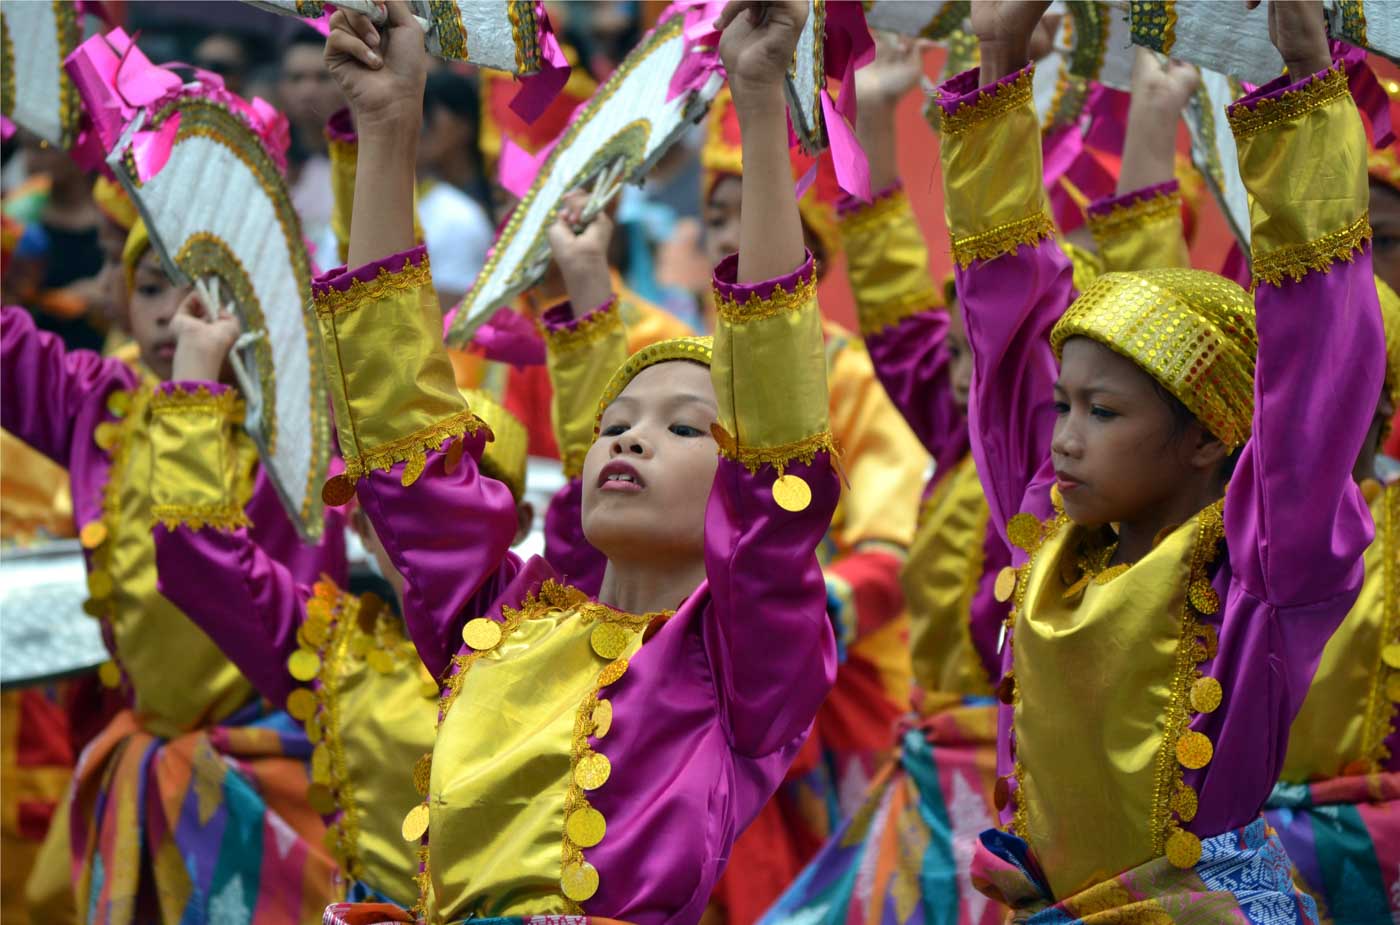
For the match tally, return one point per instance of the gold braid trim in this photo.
(1249, 118)
(586, 332)
(225, 517)
(752, 458)
(1298, 260)
(874, 216)
(989, 105)
(779, 302)
(1003, 239)
(1380, 709)
(890, 312)
(1134, 216)
(410, 277)
(424, 879)
(414, 447)
(226, 404)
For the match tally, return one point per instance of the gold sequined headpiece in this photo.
(696, 349)
(1390, 319)
(114, 202)
(504, 457)
(1190, 330)
(138, 241)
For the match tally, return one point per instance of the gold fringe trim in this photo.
(225, 517)
(1380, 709)
(1250, 118)
(779, 302)
(413, 448)
(989, 105)
(424, 879)
(806, 449)
(877, 317)
(588, 331)
(875, 216)
(1003, 239)
(1135, 216)
(1298, 260)
(227, 404)
(410, 277)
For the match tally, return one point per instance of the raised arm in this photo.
(49, 393)
(411, 445)
(1013, 281)
(1295, 520)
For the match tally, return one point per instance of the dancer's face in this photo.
(959, 358)
(153, 301)
(1119, 450)
(647, 477)
(722, 219)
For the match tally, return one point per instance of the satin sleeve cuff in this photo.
(391, 381)
(886, 260)
(1292, 137)
(1140, 230)
(769, 368)
(582, 354)
(342, 147)
(992, 168)
(195, 472)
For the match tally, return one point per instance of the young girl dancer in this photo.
(595, 756)
(1155, 667)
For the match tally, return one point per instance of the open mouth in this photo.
(620, 476)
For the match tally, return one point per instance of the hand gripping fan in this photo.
(35, 92)
(504, 35)
(1233, 40)
(1213, 150)
(806, 79)
(614, 138)
(219, 214)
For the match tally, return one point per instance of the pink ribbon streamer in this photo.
(508, 337)
(517, 168)
(540, 89)
(701, 58)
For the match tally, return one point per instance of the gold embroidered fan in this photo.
(35, 92)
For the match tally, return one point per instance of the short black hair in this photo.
(302, 37)
(454, 92)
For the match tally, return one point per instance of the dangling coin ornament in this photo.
(792, 493)
(415, 823)
(481, 633)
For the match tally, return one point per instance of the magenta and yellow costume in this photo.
(588, 760)
(1125, 741)
(193, 799)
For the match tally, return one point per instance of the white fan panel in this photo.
(256, 238)
(803, 83)
(1214, 153)
(490, 39)
(38, 68)
(1223, 37)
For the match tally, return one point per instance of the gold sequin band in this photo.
(989, 105)
(412, 448)
(1248, 118)
(1003, 239)
(779, 457)
(696, 349)
(1317, 256)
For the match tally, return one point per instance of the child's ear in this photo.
(1209, 451)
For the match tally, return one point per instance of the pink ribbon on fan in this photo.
(848, 46)
(701, 58)
(505, 337)
(1367, 91)
(540, 89)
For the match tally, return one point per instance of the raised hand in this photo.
(1004, 29)
(759, 39)
(582, 256)
(381, 69)
(203, 339)
(1163, 85)
(898, 65)
(1299, 32)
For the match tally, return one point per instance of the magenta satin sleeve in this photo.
(912, 362)
(47, 392)
(576, 560)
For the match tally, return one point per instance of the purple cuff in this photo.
(560, 317)
(728, 270)
(341, 127)
(1281, 85)
(172, 386)
(340, 280)
(1109, 203)
(851, 204)
(963, 89)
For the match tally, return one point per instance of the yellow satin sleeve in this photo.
(196, 471)
(1146, 234)
(1290, 147)
(344, 155)
(34, 492)
(769, 372)
(581, 361)
(992, 172)
(887, 263)
(391, 383)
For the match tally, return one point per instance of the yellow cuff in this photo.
(992, 173)
(1302, 157)
(391, 381)
(581, 360)
(196, 472)
(769, 372)
(1142, 235)
(343, 156)
(887, 262)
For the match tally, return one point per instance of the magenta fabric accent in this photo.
(509, 337)
(540, 89)
(1109, 203)
(1296, 524)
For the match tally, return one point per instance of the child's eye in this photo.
(613, 430)
(1102, 413)
(1062, 407)
(685, 430)
(150, 290)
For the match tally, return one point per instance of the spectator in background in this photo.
(224, 54)
(452, 184)
(307, 95)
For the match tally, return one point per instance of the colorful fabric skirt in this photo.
(1344, 836)
(389, 914)
(211, 826)
(904, 855)
(1244, 876)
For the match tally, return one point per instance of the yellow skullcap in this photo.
(114, 202)
(1190, 330)
(138, 241)
(504, 457)
(696, 349)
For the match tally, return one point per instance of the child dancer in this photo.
(1154, 669)
(192, 799)
(596, 756)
